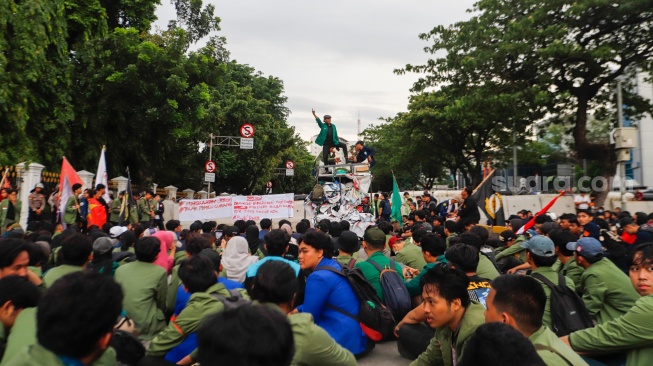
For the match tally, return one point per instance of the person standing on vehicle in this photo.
(328, 137)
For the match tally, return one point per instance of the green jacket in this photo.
(452, 235)
(514, 249)
(58, 272)
(438, 352)
(321, 138)
(413, 286)
(116, 205)
(37, 355)
(199, 305)
(23, 335)
(630, 332)
(571, 269)
(607, 291)
(373, 275)
(4, 206)
(144, 208)
(173, 286)
(345, 259)
(545, 337)
(145, 288)
(485, 268)
(411, 255)
(313, 345)
(552, 276)
(70, 213)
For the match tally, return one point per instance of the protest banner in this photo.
(206, 209)
(272, 206)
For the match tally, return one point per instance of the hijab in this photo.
(236, 259)
(251, 234)
(163, 259)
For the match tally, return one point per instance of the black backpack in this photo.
(568, 312)
(374, 318)
(395, 293)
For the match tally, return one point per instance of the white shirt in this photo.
(583, 201)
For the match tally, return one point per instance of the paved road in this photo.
(384, 354)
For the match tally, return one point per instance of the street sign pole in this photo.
(210, 159)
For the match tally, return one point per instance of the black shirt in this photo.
(11, 212)
(329, 136)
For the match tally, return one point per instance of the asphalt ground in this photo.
(384, 354)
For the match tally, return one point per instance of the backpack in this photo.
(375, 319)
(129, 350)
(395, 293)
(236, 299)
(568, 312)
(317, 195)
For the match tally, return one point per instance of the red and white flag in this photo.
(101, 176)
(543, 211)
(68, 177)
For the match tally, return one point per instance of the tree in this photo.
(567, 54)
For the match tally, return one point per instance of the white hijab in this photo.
(236, 258)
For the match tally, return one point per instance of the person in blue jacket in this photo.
(328, 137)
(328, 292)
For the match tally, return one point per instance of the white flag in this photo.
(101, 176)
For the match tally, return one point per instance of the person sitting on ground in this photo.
(195, 245)
(75, 321)
(632, 331)
(541, 256)
(17, 295)
(373, 244)
(566, 264)
(432, 248)
(498, 344)
(276, 244)
(236, 258)
(199, 277)
(14, 260)
(328, 295)
(253, 335)
(607, 291)
(76, 252)
(102, 261)
(449, 310)
(275, 286)
(519, 302)
(347, 244)
(145, 285)
(486, 269)
(407, 253)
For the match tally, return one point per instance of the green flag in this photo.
(396, 202)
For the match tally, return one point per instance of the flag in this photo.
(101, 175)
(5, 180)
(67, 178)
(127, 202)
(396, 202)
(543, 211)
(489, 200)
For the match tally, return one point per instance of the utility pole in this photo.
(622, 164)
(514, 158)
(210, 159)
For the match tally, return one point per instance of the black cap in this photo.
(348, 242)
(327, 116)
(231, 231)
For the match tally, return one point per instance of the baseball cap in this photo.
(427, 227)
(231, 230)
(395, 239)
(102, 245)
(540, 245)
(348, 242)
(327, 116)
(591, 230)
(116, 231)
(38, 185)
(587, 247)
(374, 236)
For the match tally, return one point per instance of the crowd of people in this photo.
(254, 293)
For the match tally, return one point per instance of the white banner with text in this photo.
(274, 206)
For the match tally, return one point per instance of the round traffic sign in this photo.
(247, 130)
(210, 166)
(290, 165)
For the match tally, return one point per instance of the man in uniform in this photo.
(328, 137)
(146, 210)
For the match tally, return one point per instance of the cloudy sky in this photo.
(336, 56)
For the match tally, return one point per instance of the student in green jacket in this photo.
(567, 265)
(17, 294)
(328, 137)
(63, 331)
(146, 208)
(373, 244)
(145, 287)
(275, 286)
(347, 244)
(607, 291)
(199, 277)
(450, 311)
(116, 206)
(9, 210)
(631, 332)
(486, 268)
(432, 248)
(407, 253)
(519, 301)
(540, 254)
(71, 214)
(76, 252)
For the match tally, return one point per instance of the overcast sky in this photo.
(336, 56)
